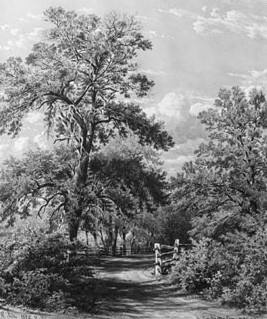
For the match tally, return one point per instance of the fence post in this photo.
(176, 249)
(157, 259)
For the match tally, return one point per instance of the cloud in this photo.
(152, 33)
(141, 17)
(35, 16)
(231, 21)
(252, 78)
(175, 11)
(3, 146)
(180, 154)
(34, 117)
(256, 31)
(14, 31)
(23, 20)
(36, 32)
(6, 47)
(153, 72)
(172, 105)
(20, 42)
(86, 10)
(218, 23)
(196, 108)
(20, 145)
(150, 111)
(4, 27)
(40, 140)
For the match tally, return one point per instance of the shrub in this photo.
(233, 271)
(34, 272)
(192, 272)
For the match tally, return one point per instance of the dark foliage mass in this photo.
(35, 272)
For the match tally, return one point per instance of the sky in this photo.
(199, 46)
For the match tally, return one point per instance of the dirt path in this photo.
(128, 290)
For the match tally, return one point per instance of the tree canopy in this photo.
(82, 77)
(225, 186)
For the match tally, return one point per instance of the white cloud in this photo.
(153, 72)
(4, 27)
(234, 15)
(40, 140)
(217, 23)
(172, 105)
(256, 31)
(35, 16)
(86, 10)
(34, 117)
(253, 78)
(152, 33)
(3, 146)
(196, 108)
(204, 9)
(150, 111)
(20, 145)
(35, 33)
(144, 18)
(178, 12)
(23, 20)
(200, 26)
(14, 31)
(233, 21)
(20, 42)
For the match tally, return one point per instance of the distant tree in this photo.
(136, 184)
(80, 77)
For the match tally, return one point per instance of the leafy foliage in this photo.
(225, 191)
(78, 78)
(35, 272)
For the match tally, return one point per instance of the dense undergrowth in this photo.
(34, 272)
(233, 271)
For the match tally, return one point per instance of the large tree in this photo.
(225, 187)
(80, 77)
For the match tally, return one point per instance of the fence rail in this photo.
(162, 263)
(106, 252)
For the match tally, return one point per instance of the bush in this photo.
(234, 272)
(192, 271)
(34, 272)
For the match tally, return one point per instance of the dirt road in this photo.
(129, 290)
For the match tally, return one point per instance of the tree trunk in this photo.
(114, 246)
(110, 232)
(124, 243)
(87, 239)
(73, 227)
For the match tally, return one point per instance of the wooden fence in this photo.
(166, 256)
(94, 252)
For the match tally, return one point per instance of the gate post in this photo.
(157, 259)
